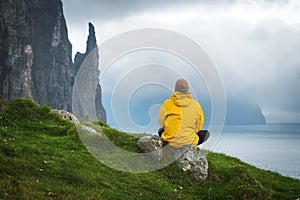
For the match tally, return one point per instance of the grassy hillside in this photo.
(42, 157)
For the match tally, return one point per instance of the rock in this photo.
(195, 162)
(71, 117)
(89, 77)
(66, 115)
(36, 54)
(45, 162)
(190, 158)
(151, 144)
(89, 129)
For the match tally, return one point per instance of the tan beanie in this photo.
(182, 86)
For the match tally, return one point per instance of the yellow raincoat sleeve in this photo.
(162, 116)
(200, 119)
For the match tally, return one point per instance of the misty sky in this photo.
(254, 44)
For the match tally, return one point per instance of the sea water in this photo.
(274, 147)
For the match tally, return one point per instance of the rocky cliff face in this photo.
(36, 54)
(91, 78)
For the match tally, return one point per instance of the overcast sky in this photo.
(254, 44)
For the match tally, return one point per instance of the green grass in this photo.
(42, 157)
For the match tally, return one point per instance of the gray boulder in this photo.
(66, 115)
(190, 158)
(195, 162)
(151, 144)
(89, 129)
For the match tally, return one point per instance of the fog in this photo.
(255, 45)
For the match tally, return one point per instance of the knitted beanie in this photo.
(182, 86)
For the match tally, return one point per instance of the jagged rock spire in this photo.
(91, 42)
(93, 76)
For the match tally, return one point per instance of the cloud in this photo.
(104, 10)
(255, 44)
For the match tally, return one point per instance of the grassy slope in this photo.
(42, 157)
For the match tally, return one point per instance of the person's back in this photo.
(181, 117)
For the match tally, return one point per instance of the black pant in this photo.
(203, 135)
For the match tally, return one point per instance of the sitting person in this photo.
(181, 118)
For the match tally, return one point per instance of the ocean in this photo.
(274, 147)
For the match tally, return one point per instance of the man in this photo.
(181, 118)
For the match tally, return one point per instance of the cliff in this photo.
(88, 83)
(36, 54)
(242, 112)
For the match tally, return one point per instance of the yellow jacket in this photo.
(181, 117)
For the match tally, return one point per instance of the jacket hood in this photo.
(181, 99)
